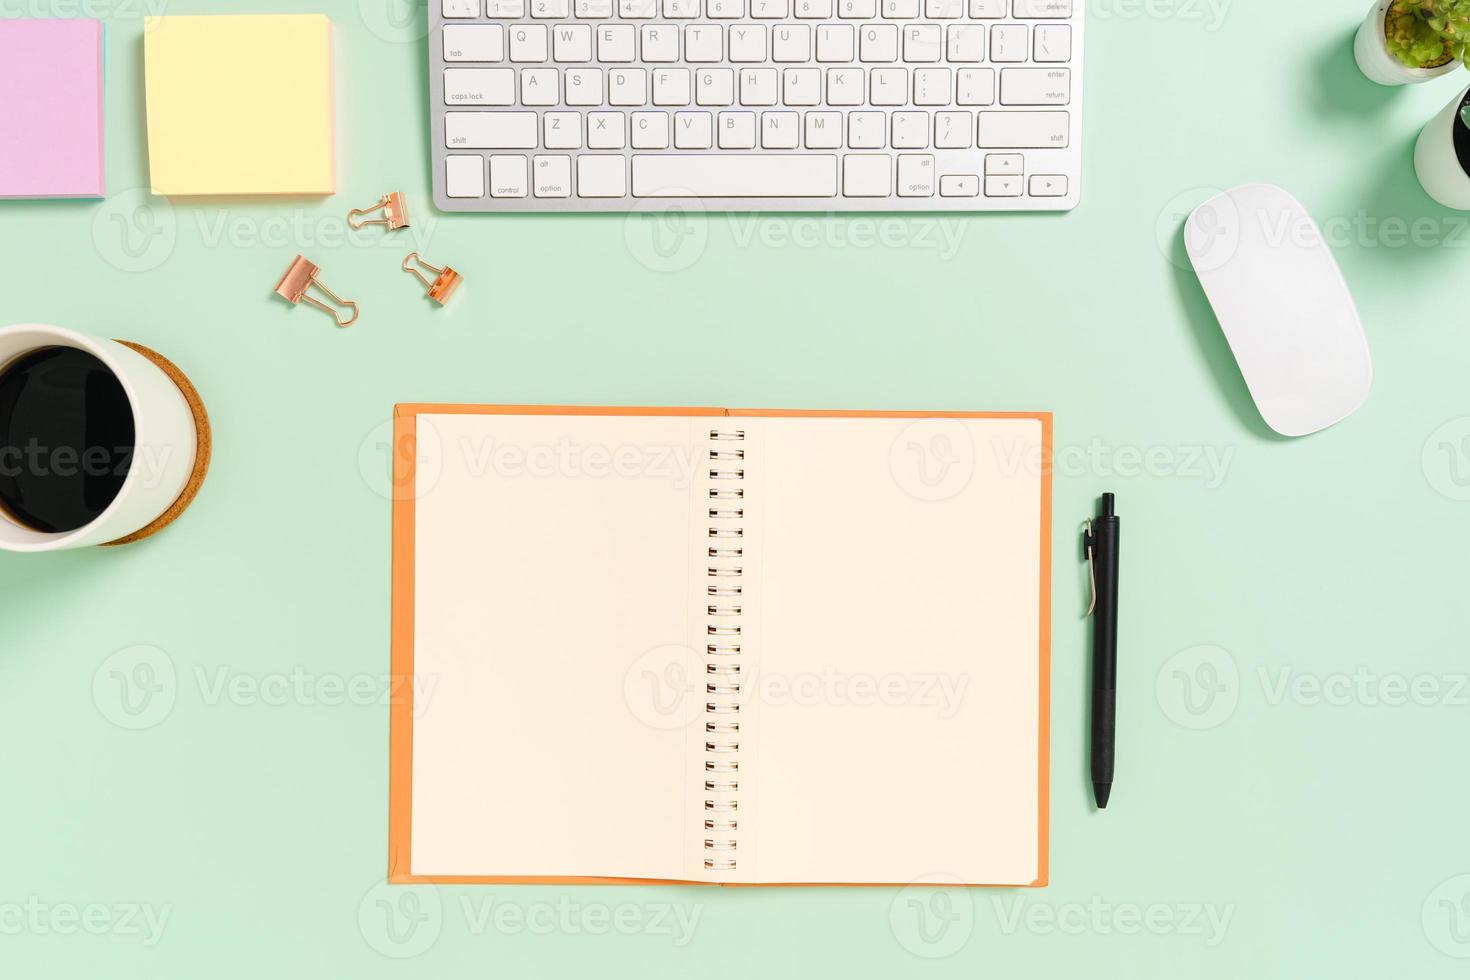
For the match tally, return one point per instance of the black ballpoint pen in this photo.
(1100, 542)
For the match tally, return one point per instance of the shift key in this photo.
(1024, 130)
(490, 130)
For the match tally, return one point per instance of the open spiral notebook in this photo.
(719, 646)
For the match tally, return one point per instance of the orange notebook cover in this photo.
(716, 646)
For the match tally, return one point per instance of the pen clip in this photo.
(1090, 553)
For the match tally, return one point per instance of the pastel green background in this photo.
(1325, 831)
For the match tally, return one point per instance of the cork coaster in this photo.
(201, 454)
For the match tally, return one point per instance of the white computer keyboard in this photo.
(785, 105)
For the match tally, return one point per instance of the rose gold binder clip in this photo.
(440, 289)
(395, 213)
(300, 277)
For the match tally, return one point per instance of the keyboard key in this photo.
(477, 42)
(966, 43)
(714, 86)
(823, 130)
(923, 42)
(1008, 43)
(987, 9)
(505, 9)
(944, 9)
(900, 9)
(975, 86)
(606, 131)
(660, 43)
(507, 176)
(615, 43)
(954, 130)
(593, 9)
(465, 176)
(867, 130)
(583, 86)
(758, 86)
(910, 130)
(737, 130)
(746, 175)
(802, 86)
(889, 86)
(528, 42)
(813, 9)
(791, 44)
(835, 43)
(572, 42)
(693, 130)
(681, 9)
(561, 130)
(637, 9)
(915, 175)
(747, 43)
(703, 44)
(671, 86)
(1035, 86)
(1022, 130)
(1039, 9)
(1004, 164)
(1048, 185)
(770, 9)
(845, 86)
(479, 86)
(1002, 186)
(650, 130)
(550, 10)
(779, 130)
(878, 42)
(867, 175)
(932, 86)
(959, 185)
(724, 9)
(602, 176)
(552, 176)
(627, 86)
(454, 9)
(539, 87)
(1053, 43)
(857, 9)
(490, 130)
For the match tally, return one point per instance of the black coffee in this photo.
(66, 439)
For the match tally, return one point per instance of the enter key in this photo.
(1036, 86)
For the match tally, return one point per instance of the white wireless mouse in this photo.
(1284, 307)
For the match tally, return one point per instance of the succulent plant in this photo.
(1429, 33)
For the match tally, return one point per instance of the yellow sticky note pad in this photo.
(240, 104)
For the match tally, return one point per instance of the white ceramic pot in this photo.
(1437, 160)
(1374, 58)
(165, 441)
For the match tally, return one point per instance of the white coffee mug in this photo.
(165, 443)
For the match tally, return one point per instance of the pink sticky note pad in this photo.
(51, 108)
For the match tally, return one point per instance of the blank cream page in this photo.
(899, 675)
(552, 554)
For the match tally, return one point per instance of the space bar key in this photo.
(735, 175)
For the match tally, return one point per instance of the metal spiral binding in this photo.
(722, 668)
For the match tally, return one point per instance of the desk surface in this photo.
(1291, 797)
